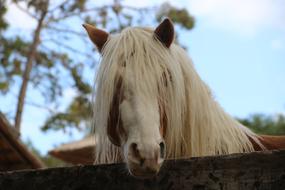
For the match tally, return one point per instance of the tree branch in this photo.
(72, 14)
(26, 11)
(70, 48)
(40, 106)
(58, 6)
(66, 31)
(143, 9)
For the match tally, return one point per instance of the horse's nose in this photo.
(145, 160)
(150, 152)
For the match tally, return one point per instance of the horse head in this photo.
(136, 121)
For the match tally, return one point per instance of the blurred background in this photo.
(47, 63)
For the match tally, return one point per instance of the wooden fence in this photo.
(252, 171)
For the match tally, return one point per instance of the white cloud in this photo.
(18, 19)
(246, 16)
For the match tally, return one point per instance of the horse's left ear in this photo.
(165, 32)
(97, 36)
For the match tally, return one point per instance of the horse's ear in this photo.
(97, 36)
(165, 32)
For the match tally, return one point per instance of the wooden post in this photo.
(257, 170)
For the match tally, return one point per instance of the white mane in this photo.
(197, 125)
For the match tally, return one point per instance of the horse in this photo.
(150, 104)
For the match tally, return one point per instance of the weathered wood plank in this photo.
(258, 170)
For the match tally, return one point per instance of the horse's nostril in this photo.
(142, 161)
(134, 150)
(134, 146)
(162, 149)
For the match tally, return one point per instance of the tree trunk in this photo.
(26, 76)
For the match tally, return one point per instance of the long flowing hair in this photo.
(196, 123)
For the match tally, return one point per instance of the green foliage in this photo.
(262, 124)
(83, 87)
(77, 116)
(4, 86)
(179, 16)
(12, 55)
(78, 5)
(58, 63)
(3, 23)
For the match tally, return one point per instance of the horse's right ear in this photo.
(165, 32)
(97, 36)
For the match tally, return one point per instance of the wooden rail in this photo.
(257, 170)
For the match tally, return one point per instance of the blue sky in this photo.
(237, 46)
